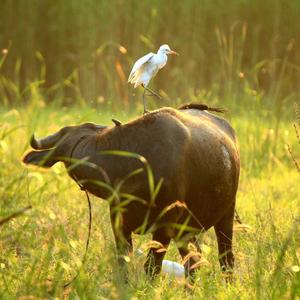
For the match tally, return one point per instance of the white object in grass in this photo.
(169, 267)
(173, 268)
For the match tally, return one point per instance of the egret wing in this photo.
(139, 64)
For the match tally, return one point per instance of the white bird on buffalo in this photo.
(147, 67)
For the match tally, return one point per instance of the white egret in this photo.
(147, 67)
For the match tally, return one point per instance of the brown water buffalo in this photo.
(194, 160)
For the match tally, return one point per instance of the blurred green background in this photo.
(233, 52)
(66, 62)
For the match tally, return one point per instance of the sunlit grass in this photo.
(42, 250)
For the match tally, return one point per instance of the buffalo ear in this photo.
(43, 158)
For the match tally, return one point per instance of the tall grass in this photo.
(42, 249)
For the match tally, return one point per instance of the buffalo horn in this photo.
(45, 143)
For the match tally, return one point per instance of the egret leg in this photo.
(153, 93)
(144, 101)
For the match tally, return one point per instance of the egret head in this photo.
(165, 49)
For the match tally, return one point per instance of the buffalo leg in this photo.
(224, 230)
(190, 259)
(124, 246)
(155, 256)
(122, 238)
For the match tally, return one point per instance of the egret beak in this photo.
(173, 52)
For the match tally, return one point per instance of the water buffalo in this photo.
(194, 158)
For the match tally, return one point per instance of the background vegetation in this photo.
(72, 49)
(66, 62)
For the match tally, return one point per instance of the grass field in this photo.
(66, 62)
(43, 248)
